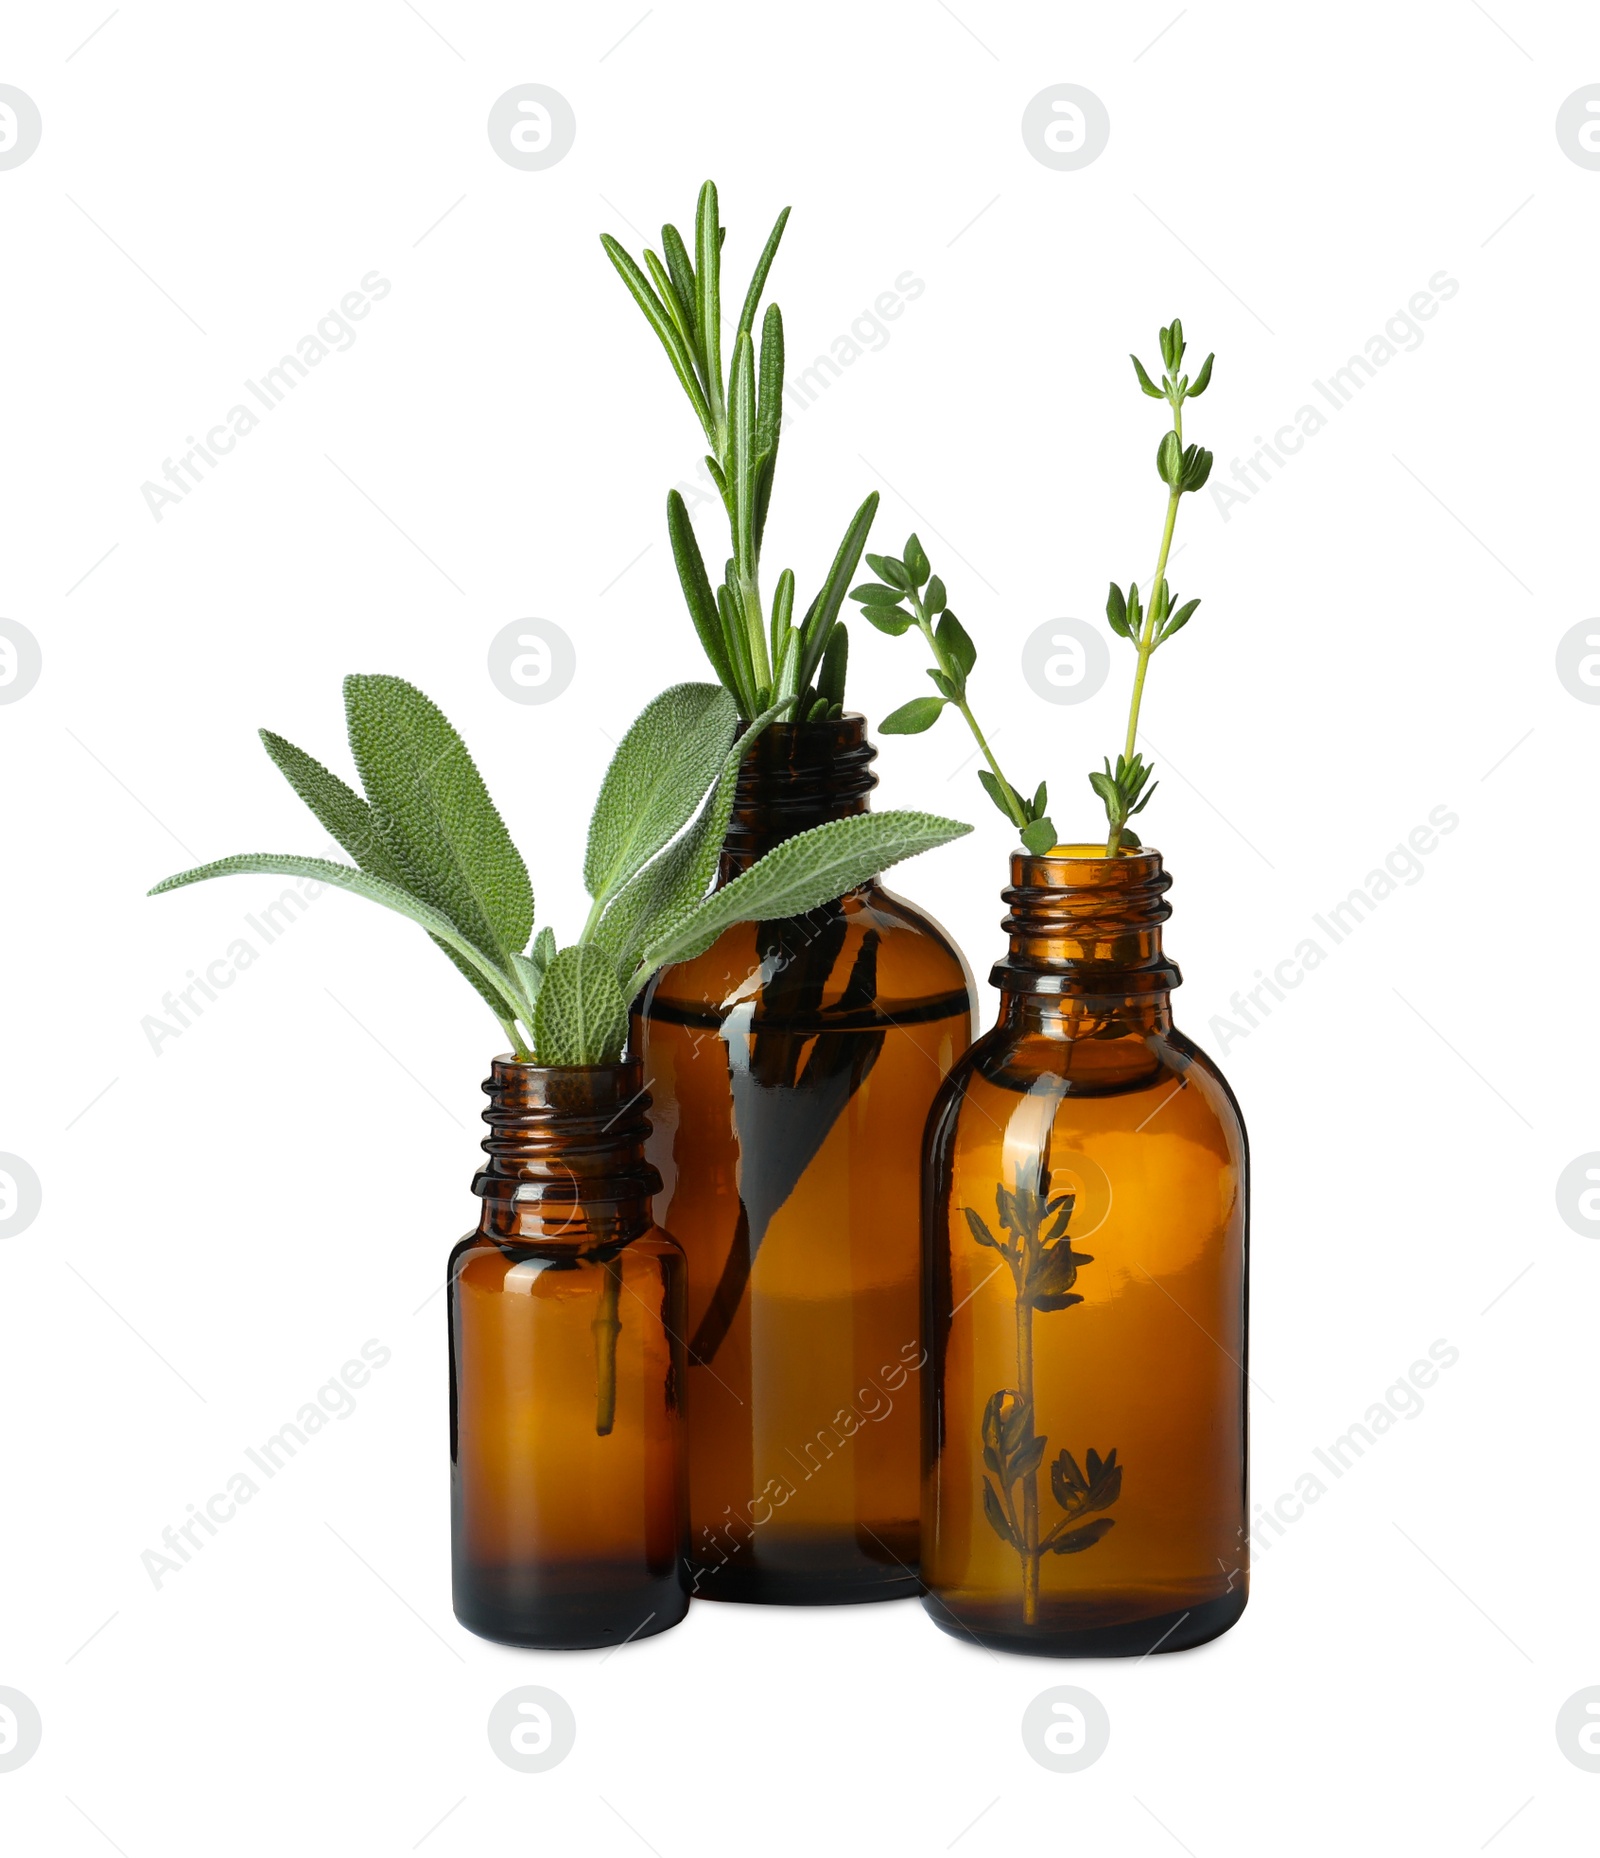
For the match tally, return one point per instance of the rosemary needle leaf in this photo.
(697, 594)
(769, 251)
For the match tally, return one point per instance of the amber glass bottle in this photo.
(1085, 1209)
(566, 1312)
(792, 1067)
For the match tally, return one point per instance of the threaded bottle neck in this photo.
(1086, 926)
(795, 776)
(566, 1152)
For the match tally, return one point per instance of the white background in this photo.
(225, 1222)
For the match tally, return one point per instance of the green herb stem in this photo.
(607, 1326)
(1147, 635)
(1126, 789)
(953, 672)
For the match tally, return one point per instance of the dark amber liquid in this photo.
(566, 1535)
(795, 1198)
(1145, 1133)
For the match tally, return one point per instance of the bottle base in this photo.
(754, 1587)
(538, 1612)
(812, 1566)
(1070, 1630)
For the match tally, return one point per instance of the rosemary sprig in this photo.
(764, 660)
(1126, 789)
(911, 579)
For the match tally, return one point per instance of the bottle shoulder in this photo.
(480, 1248)
(912, 959)
(1019, 1062)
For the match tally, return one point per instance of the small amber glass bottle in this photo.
(566, 1312)
(1085, 1211)
(792, 1067)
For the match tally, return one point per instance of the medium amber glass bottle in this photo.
(566, 1312)
(1085, 1210)
(792, 1067)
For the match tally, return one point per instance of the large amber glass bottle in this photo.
(1085, 1209)
(566, 1313)
(792, 1067)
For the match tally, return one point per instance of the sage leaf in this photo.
(531, 975)
(438, 821)
(581, 1017)
(341, 811)
(673, 883)
(657, 778)
(802, 874)
(362, 884)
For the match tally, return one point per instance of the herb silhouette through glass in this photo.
(1044, 1268)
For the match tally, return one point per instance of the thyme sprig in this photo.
(1126, 788)
(910, 579)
